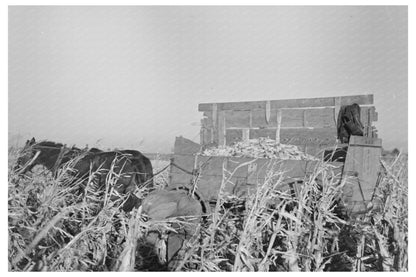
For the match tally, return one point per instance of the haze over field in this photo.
(132, 77)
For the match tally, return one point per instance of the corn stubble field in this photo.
(51, 229)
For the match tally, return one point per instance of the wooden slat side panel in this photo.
(291, 103)
(302, 103)
(315, 118)
(239, 119)
(292, 118)
(212, 176)
(317, 136)
(320, 118)
(184, 161)
(257, 133)
(209, 186)
(313, 150)
(258, 119)
(177, 178)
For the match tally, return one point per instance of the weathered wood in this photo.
(292, 118)
(233, 135)
(207, 120)
(361, 169)
(244, 178)
(259, 119)
(185, 146)
(184, 161)
(246, 134)
(257, 133)
(213, 165)
(221, 127)
(308, 117)
(318, 118)
(279, 124)
(314, 150)
(365, 141)
(291, 103)
(305, 136)
(206, 136)
(214, 133)
(267, 112)
(206, 133)
(239, 119)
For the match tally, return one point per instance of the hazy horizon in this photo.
(133, 76)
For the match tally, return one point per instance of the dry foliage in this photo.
(52, 228)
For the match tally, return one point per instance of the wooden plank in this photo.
(221, 128)
(361, 170)
(305, 136)
(257, 133)
(184, 161)
(233, 135)
(211, 179)
(213, 165)
(185, 146)
(317, 118)
(365, 141)
(267, 111)
(291, 103)
(313, 150)
(207, 120)
(279, 124)
(178, 178)
(292, 118)
(258, 119)
(209, 186)
(206, 130)
(214, 133)
(237, 119)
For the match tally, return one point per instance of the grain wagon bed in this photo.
(310, 124)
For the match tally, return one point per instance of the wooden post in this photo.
(246, 134)
(279, 122)
(214, 123)
(221, 128)
(267, 112)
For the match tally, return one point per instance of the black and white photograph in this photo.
(238, 138)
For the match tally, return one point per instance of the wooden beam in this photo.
(291, 103)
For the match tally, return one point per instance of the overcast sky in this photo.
(132, 77)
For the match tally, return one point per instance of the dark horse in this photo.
(132, 167)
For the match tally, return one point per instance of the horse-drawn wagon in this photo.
(313, 125)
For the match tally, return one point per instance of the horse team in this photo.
(133, 170)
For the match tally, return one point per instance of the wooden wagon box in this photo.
(309, 124)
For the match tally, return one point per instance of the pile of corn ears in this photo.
(259, 148)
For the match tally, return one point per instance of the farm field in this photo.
(52, 230)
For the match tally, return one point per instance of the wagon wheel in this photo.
(195, 195)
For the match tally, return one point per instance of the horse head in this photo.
(34, 153)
